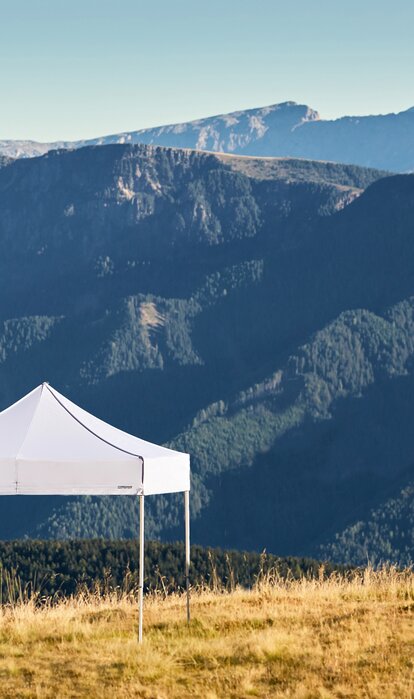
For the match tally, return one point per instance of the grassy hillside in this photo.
(336, 637)
(301, 170)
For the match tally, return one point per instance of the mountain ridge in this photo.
(288, 129)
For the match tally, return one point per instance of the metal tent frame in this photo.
(142, 558)
(51, 446)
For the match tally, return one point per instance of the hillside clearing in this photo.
(322, 638)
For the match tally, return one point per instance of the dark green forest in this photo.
(256, 313)
(62, 568)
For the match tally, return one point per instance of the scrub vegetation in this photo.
(63, 568)
(338, 636)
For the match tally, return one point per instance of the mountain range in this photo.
(257, 312)
(284, 130)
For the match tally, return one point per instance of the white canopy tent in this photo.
(50, 446)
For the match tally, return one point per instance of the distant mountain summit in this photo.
(249, 131)
(261, 131)
(283, 130)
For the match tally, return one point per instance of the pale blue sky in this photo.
(71, 69)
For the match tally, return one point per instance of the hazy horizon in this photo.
(69, 72)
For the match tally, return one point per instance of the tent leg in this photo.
(141, 565)
(187, 549)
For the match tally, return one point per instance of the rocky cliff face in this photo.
(256, 312)
(100, 216)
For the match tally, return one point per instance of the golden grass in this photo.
(300, 639)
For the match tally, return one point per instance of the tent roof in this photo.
(49, 445)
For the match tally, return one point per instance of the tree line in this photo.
(62, 568)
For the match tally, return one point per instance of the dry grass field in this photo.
(305, 639)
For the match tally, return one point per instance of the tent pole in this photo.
(141, 565)
(187, 549)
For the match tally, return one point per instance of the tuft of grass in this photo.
(331, 636)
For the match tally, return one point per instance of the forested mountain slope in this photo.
(258, 313)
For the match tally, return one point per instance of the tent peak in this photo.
(82, 423)
(49, 445)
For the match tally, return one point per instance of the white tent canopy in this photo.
(50, 446)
